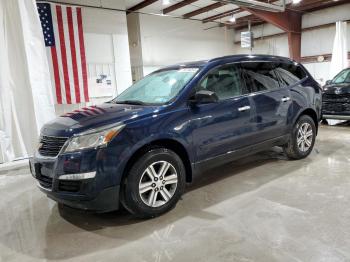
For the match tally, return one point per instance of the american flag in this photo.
(64, 40)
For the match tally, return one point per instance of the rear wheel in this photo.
(302, 138)
(154, 183)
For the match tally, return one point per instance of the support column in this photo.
(290, 22)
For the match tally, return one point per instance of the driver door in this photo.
(224, 126)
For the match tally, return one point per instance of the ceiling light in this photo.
(232, 19)
(166, 2)
(296, 1)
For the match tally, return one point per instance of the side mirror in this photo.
(204, 97)
(328, 82)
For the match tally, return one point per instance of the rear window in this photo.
(290, 73)
(260, 76)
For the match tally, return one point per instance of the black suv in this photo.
(336, 97)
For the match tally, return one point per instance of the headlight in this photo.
(93, 138)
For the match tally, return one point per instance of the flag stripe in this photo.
(82, 54)
(77, 52)
(63, 53)
(68, 53)
(73, 54)
(58, 51)
(56, 75)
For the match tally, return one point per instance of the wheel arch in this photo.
(171, 144)
(311, 113)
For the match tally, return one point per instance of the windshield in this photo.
(342, 77)
(157, 88)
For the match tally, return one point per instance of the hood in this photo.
(337, 89)
(95, 116)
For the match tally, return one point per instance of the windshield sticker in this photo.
(188, 70)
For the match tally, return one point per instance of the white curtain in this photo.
(340, 51)
(26, 100)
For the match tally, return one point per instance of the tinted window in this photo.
(290, 73)
(224, 81)
(260, 76)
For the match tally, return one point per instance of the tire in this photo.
(301, 140)
(147, 190)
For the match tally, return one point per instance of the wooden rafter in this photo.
(204, 9)
(224, 14)
(177, 6)
(141, 5)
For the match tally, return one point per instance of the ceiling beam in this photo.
(177, 6)
(290, 22)
(204, 9)
(219, 16)
(314, 5)
(141, 5)
(267, 5)
(304, 6)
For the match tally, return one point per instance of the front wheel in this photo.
(154, 183)
(302, 138)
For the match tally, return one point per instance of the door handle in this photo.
(243, 108)
(285, 99)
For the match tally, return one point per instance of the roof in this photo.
(233, 58)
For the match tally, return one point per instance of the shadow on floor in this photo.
(121, 228)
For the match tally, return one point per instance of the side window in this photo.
(224, 81)
(290, 73)
(260, 76)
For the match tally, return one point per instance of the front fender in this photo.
(174, 125)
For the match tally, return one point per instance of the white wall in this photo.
(162, 41)
(313, 42)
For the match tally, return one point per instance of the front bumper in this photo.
(107, 200)
(99, 193)
(336, 116)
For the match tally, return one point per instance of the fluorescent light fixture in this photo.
(166, 2)
(232, 19)
(258, 5)
(296, 1)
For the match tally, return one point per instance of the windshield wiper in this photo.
(130, 102)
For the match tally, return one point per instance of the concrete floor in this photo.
(263, 208)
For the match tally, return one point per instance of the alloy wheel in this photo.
(304, 137)
(158, 183)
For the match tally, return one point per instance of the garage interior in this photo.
(260, 208)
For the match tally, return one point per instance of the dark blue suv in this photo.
(141, 148)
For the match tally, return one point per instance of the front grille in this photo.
(45, 181)
(51, 145)
(69, 186)
(333, 103)
(341, 98)
(335, 107)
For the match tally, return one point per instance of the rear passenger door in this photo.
(270, 101)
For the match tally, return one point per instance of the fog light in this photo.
(78, 176)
